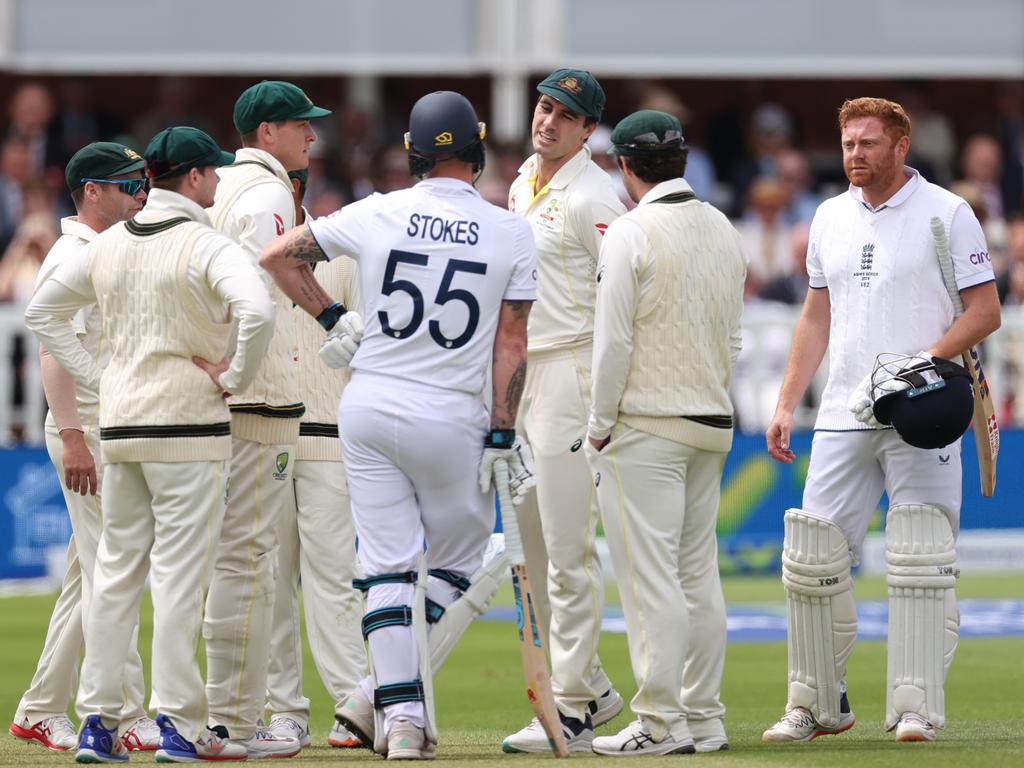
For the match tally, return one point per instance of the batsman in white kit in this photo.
(447, 281)
(878, 303)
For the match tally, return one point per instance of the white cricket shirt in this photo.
(885, 288)
(569, 217)
(435, 263)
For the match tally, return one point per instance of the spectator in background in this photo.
(771, 132)
(1010, 101)
(30, 113)
(765, 234)
(389, 169)
(15, 173)
(79, 121)
(600, 142)
(172, 105)
(794, 173)
(791, 288)
(982, 164)
(934, 147)
(1010, 281)
(20, 262)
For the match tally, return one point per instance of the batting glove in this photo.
(342, 341)
(877, 384)
(503, 444)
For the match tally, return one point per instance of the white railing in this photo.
(767, 334)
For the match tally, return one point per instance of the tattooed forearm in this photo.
(311, 289)
(303, 247)
(514, 391)
(521, 309)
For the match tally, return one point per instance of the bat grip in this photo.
(509, 524)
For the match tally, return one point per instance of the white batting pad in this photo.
(460, 614)
(820, 610)
(924, 623)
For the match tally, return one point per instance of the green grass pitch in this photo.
(480, 696)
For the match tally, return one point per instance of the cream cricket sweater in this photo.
(669, 303)
(254, 204)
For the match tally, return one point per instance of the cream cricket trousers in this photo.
(659, 503)
(163, 518)
(56, 677)
(317, 542)
(240, 606)
(559, 523)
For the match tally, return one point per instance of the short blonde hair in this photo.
(892, 115)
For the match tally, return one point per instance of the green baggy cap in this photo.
(177, 150)
(101, 160)
(646, 132)
(577, 89)
(273, 100)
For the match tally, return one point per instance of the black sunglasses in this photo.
(130, 187)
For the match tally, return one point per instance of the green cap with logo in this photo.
(577, 89)
(647, 132)
(273, 100)
(101, 160)
(177, 150)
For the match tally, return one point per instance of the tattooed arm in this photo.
(509, 365)
(288, 260)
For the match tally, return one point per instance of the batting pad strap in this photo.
(396, 693)
(364, 584)
(390, 616)
(434, 611)
(461, 583)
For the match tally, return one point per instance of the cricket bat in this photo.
(535, 663)
(986, 429)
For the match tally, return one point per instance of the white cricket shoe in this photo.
(635, 739)
(342, 738)
(912, 727)
(407, 741)
(284, 727)
(142, 735)
(799, 725)
(579, 736)
(709, 735)
(355, 712)
(605, 707)
(263, 744)
(56, 733)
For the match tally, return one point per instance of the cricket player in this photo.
(316, 535)
(167, 287)
(666, 338)
(107, 186)
(255, 203)
(875, 287)
(447, 281)
(569, 202)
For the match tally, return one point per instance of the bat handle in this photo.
(509, 523)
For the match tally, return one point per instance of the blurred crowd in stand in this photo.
(754, 167)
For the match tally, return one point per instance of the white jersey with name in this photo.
(880, 268)
(435, 263)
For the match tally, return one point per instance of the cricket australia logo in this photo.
(867, 262)
(282, 465)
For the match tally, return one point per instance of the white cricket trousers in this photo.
(317, 542)
(558, 523)
(240, 606)
(163, 518)
(412, 456)
(659, 503)
(56, 677)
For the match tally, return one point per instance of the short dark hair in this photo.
(249, 138)
(656, 167)
(171, 183)
(77, 197)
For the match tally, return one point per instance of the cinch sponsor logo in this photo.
(981, 257)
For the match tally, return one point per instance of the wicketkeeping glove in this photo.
(503, 444)
(876, 384)
(342, 341)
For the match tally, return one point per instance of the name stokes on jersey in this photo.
(428, 227)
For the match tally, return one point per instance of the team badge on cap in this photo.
(131, 154)
(570, 84)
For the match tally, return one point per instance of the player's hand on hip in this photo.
(342, 341)
(79, 464)
(214, 371)
(777, 437)
(521, 474)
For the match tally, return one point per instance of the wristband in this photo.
(330, 316)
(500, 438)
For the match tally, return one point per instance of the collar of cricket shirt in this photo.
(904, 192)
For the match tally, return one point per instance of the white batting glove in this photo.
(342, 341)
(878, 383)
(521, 474)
